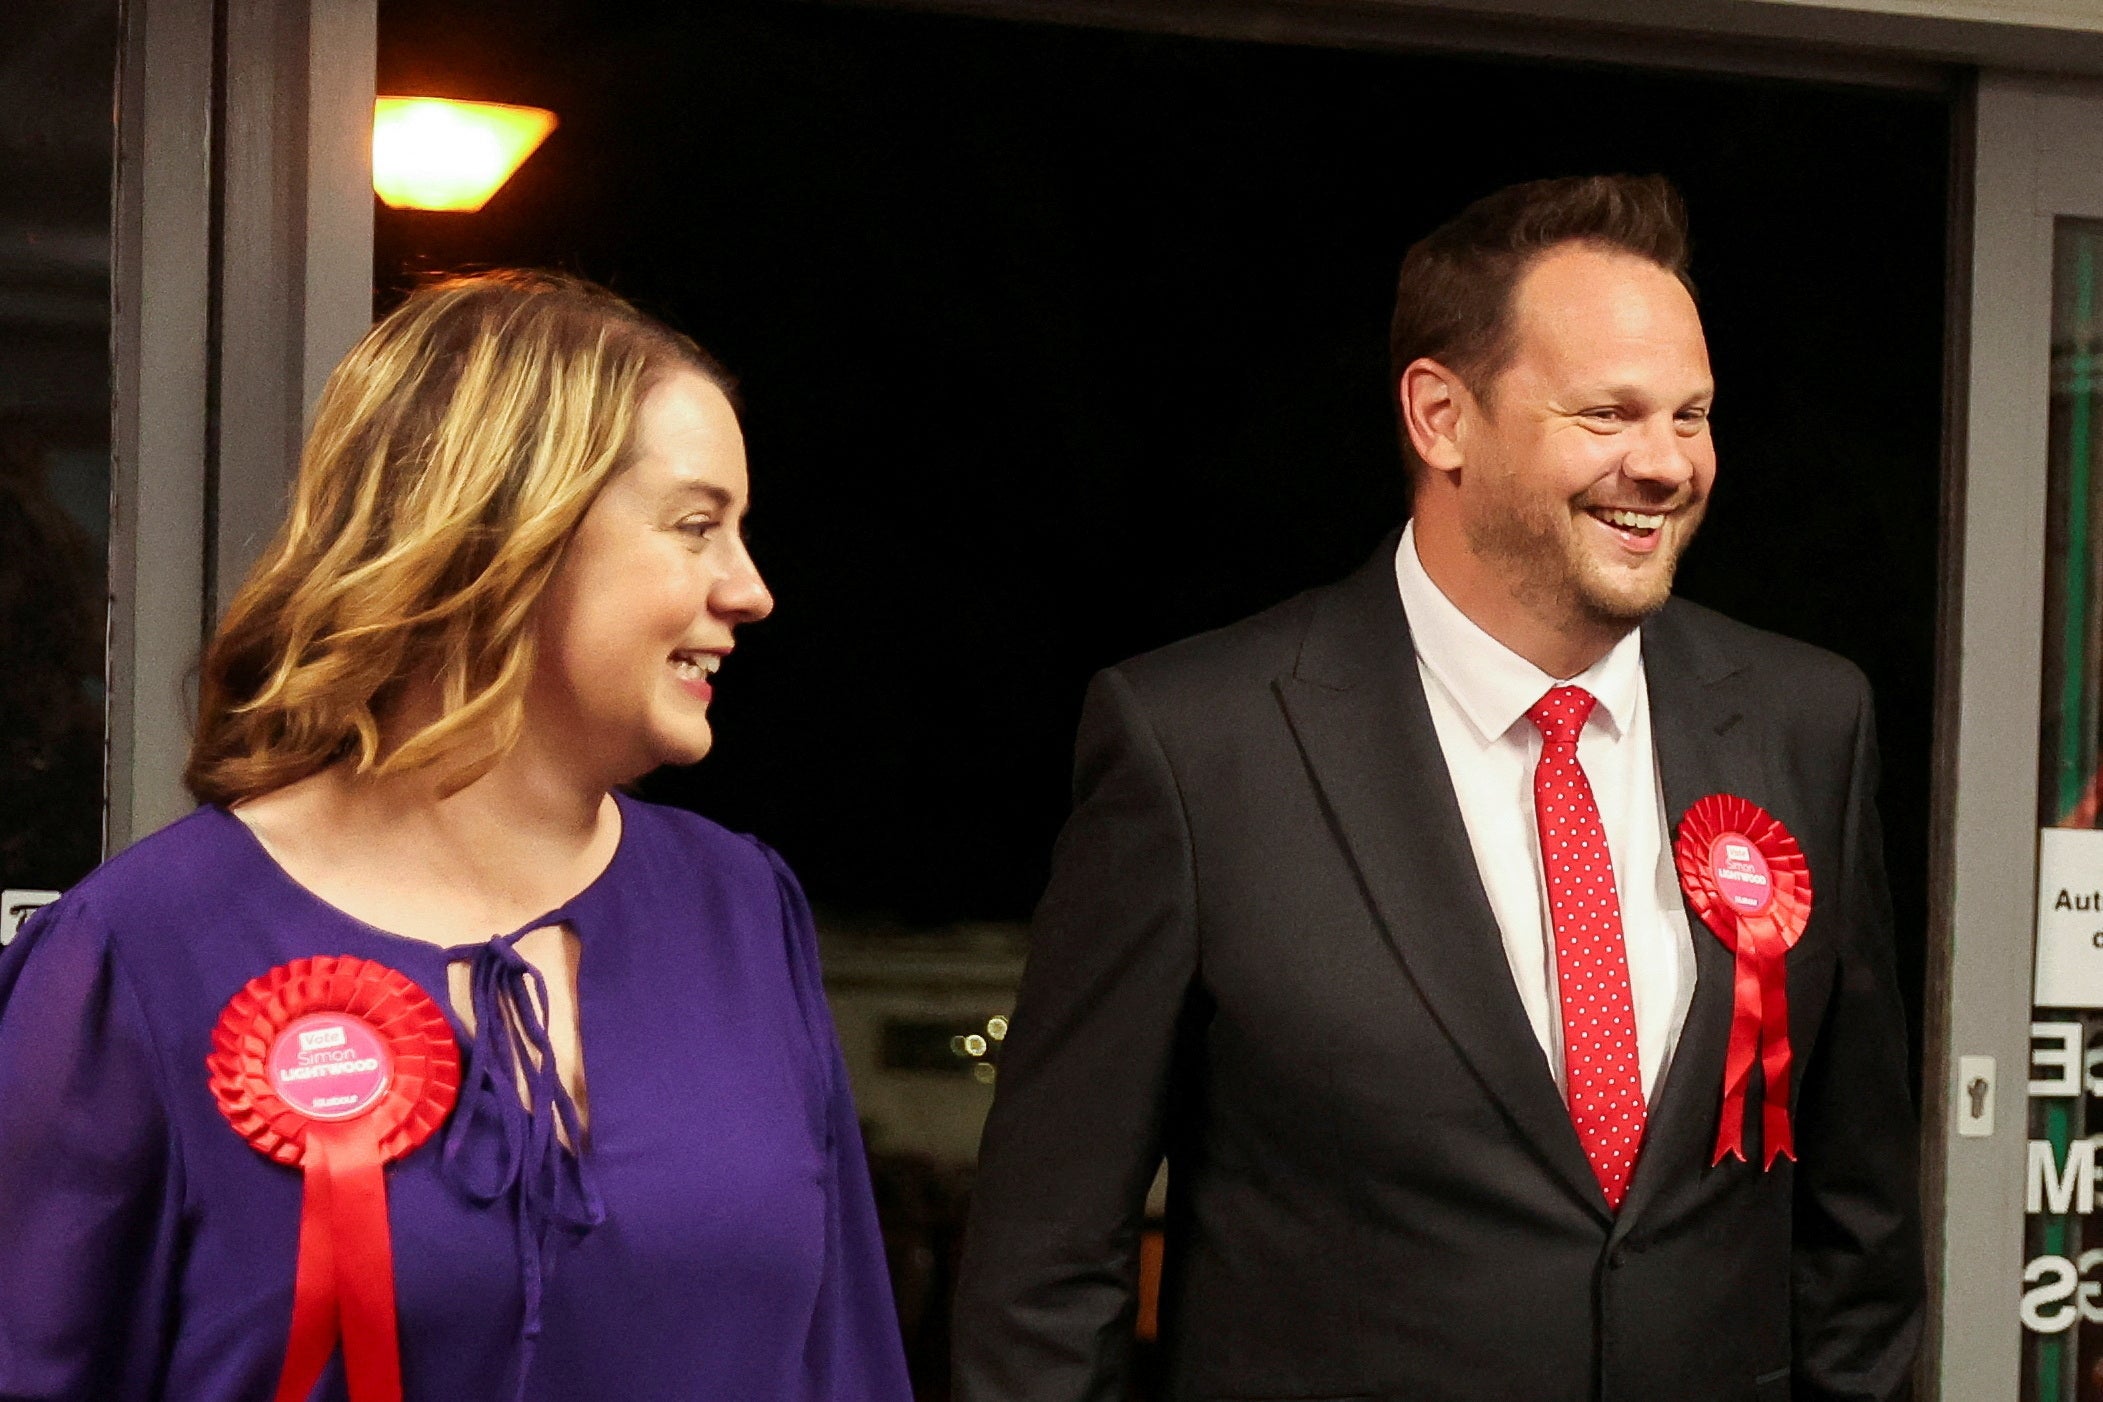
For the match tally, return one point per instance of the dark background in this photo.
(58, 62)
(1058, 344)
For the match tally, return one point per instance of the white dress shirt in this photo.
(1480, 691)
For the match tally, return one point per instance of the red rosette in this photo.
(1746, 877)
(337, 1066)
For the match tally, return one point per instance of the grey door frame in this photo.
(1904, 42)
(242, 271)
(2036, 146)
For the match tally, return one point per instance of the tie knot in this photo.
(1561, 713)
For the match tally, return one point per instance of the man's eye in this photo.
(1604, 416)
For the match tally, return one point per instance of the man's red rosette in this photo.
(337, 1066)
(1745, 876)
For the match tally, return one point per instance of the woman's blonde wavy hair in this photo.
(453, 453)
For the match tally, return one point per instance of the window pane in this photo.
(2062, 1326)
(57, 70)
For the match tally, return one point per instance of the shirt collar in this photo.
(1493, 686)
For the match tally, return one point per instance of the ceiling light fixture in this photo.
(437, 153)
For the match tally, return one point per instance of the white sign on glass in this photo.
(16, 906)
(2069, 918)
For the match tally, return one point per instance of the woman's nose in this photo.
(742, 595)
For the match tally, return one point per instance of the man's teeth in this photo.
(1632, 520)
(692, 666)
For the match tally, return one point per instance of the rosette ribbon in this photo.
(337, 1066)
(1745, 876)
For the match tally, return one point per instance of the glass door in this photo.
(2015, 1083)
(58, 63)
(2061, 1314)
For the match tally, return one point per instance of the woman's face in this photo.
(640, 612)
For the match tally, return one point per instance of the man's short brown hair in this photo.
(1453, 297)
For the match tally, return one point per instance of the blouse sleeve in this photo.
(89, 1179)
(854, 1353)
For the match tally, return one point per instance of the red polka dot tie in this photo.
(1605, 1080)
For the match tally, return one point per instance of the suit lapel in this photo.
(1703, 747)
(1355, 701)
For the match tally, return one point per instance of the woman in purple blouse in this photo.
(512, 569)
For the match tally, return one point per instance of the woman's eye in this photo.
(698, 527)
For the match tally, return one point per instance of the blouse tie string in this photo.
(525, 1160)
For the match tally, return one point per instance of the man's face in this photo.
(1588, 470)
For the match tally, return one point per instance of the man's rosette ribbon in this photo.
(1745, 876)
(337, 1066)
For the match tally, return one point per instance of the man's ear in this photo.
(1433, 399)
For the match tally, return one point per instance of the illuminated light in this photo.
(997, 1028)
(984, 1073)
(435, 153)
(956, 1047)
(974, 1045)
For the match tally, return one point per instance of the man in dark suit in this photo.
(1441, 1114)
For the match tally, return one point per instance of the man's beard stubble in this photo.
(1552, 575)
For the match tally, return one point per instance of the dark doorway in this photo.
(58, 67)
(1058, 344)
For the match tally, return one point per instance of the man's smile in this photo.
(1637, 532)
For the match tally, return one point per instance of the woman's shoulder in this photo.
(730, 880)
(178, 867)
(699, 848)
(116, 939)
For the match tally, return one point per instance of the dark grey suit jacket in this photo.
(1266, 953)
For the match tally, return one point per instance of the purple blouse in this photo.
(714, 1242)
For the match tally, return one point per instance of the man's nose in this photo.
(1661, 454)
